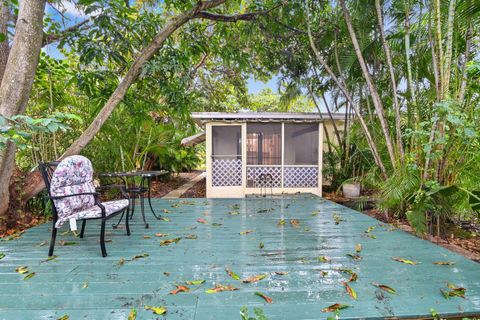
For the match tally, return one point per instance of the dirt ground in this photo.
(161, 188)
(468, 247)
(199, 190)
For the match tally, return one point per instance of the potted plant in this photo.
(351, 188)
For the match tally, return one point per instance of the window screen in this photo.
(264, 144)
(227, 142)
(301, 144)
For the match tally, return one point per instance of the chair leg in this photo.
(142, 206)
(52, 240)
(133, 200)
(102, 239)
(127, 225)
(84, 222)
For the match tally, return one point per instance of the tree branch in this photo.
(51, 38)
(225, 18)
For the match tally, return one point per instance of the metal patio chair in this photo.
(73, 195)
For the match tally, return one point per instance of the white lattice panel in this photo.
(264, 177)
(226, 172)
(301, 177)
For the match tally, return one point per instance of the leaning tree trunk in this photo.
(18, 79)
(132, 74)
(363, 124)
(373, 90)
(396, 105)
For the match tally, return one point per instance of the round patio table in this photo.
(137, 190)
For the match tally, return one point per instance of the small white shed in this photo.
(254, 153)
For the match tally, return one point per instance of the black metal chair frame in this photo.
(47, 169)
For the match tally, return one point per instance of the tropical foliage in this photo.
(405, 73)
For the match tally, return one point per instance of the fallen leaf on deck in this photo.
(161, 234)
(165, 219)
(261, 245)
(370, 229)
(265, 210)
(180, 289)
(385, 288)
(156, 310)
(201, 220)
(232, 274)
(295, 223)
(166, 211)
(323, 273)
(166, 273)
(169, 241)
(41, 244)
(195, 282)
(314, 213)
(371, 236)
(220, 288)
(191, 236)
(323, 259)
(140, 256)
(85, 285)
(281, 273)
(335, 307)
(28, 276)
(337, 218)
(358, 247)
(350, 291)
(246, 232)
(215, 224)
(253, 279)
(353, 275)
(67, 243)
(406, 261)
(233, 213)
(2, 255)
(64, 317)
(454, 291)
(355, 256)
(281, 222)
(444, 263)
(50, 258)
(146, 237)
(121, 262)
(265, 297)
(22, 269)
(132, 315)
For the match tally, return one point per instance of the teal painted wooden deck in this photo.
(82, 284)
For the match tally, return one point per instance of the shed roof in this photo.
(203, 117)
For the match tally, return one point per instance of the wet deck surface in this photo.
(83, 285)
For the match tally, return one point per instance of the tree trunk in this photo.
(4, 47)
(368, 136)
(18, 79)
(373, 91)
(396, 105)
(132, 74)
(468, 44)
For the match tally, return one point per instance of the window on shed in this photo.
(264, 144)
(227, 142)
(301, 144)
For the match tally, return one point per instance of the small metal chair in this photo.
(72, 193)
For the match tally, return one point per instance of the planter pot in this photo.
(351, 190)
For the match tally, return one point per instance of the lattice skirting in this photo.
(301, 177)
(258, 177)
(226, 172)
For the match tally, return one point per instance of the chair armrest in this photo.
(95, 194)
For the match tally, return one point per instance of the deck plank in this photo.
(113, 290)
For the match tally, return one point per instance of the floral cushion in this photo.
(72, 176)
(96, 212)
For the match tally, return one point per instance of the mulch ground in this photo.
(468, 247)
(199, 190)
(161, 188)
